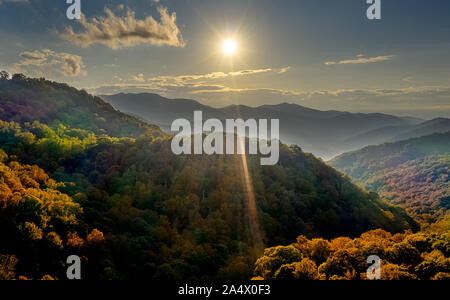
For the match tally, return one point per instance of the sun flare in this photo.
(229, 47)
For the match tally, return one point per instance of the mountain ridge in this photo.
(315, 131)
(398, 133)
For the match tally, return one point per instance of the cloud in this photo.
(48, 62)
(185, 79)
(284, 70)
(180, 85)
(119, 32)
(360, 59)
(139, 78)
(424, 102)
(212, 76)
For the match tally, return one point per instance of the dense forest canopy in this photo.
(36, 222)
(134, 210)
(405, 256)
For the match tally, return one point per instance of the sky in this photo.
(323, 54)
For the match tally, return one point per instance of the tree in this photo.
(320, 250)
(4, 75)
(95, 237)
(74, 241)
(285, 272)
(306, 270)
(395, 272)
(442, 276)
(7, 267)
(19, 77)
(3, 156)
(55, 240)
(274, 259)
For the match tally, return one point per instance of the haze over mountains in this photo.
(323, 133)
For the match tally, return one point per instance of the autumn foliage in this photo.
(78, 177)
(404, 256)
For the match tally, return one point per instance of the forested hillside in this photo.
(133, 210)
(35, 218)
(26, 99)
(412, 173)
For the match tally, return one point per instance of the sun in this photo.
(229, 47)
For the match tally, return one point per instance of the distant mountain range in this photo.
(398, 133)
(323, 133)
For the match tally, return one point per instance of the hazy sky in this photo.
(323, 54)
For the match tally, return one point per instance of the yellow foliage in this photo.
(95, 237)
(47, 278)
(306, 270)
(55, 239)
(33, 231)
(74, 241)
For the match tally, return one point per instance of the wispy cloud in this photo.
(189, 84)
(284, 70)
(360, 59)
(126, 31)
(214, 75)
(47, 62)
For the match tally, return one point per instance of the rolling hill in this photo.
(413, 173)
(24, 99)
